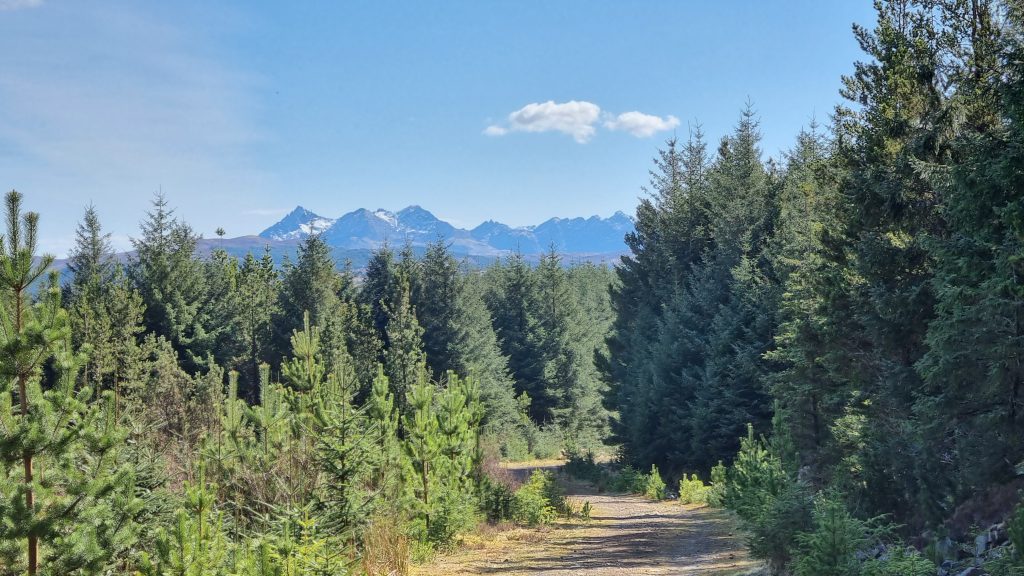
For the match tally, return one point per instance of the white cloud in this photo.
(19, 4)
(579, 119)
(575, 118)
(641, 125)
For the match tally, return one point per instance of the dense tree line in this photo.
(859, 301)
(171, 414)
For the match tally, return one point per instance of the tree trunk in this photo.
(26, 459)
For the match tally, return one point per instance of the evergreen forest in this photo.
(829, 343)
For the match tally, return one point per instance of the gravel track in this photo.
(627, 535)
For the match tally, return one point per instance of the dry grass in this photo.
(386, 548)
(531, 464)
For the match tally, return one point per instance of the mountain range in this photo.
(354, 236)
(367, 230)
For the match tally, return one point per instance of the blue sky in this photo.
(508, 110)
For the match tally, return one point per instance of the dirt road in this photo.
(627, 535)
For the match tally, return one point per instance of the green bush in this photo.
(454, 513)
(580, 464)
(515, 448)
(628, 479)
(719, 484)
(539, 501)
(545, 443)
(1011, 564)
(830, 548)
(1015, 527)
(756, 478)
(693, 490)
(1004, 566)
(654, 487)
(553, 493)
(900, 562)
(772, 533)
(497, 501)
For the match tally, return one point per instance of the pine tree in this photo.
(223, 275)
(343, 447)
(899, 130)
(458, 336)
(167, 274)
(311, 285)
(813, 311)
(672, 233)
(381, 289)
(92, 259)
(64, 492)
(105, 311)
(383, 419)
(422, 445)
(972, 368)
(259, 287)
(570, 345)
(197, 543)
(513, 303)
(404, 361)
(479, 356)
(306, 369)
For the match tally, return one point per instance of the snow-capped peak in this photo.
(298, 224)
(386, 216)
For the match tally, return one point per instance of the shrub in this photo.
(575, 509)
(453, 512)
(830, 548)
(553, 493)
(532, 503)
(693, 490)
(755, 479)
(1004, 566)
(580, 464)
(515, 448)
(654, 487)
(900, 562)
(719, 484)
(1015, 527)
(545, 443)
(772, 533)
(386, 549)
(628, 479)
(497, 500)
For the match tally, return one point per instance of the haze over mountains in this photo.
(367, 230)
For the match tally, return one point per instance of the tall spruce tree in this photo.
(458, 336)
(972, 369)
(105, 310)
(313, 284)
(259, 288)
(404, 361)
(891, 210)
(512, 300)
(381, 290)
(169, 277)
